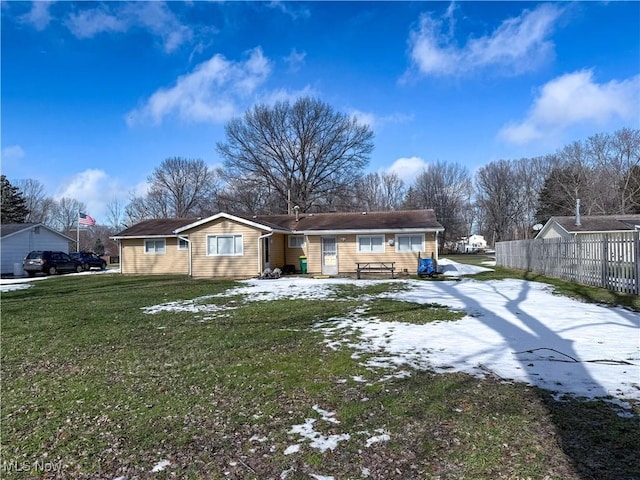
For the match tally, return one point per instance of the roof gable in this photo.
(10, 229)
(245, 221)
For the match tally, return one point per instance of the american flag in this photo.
(84, 219)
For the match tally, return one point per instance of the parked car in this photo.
(89, 260)
(50, 262)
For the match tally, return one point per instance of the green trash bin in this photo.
(303, 264)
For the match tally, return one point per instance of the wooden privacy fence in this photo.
(608, 260)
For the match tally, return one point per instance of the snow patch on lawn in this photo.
(160, 466)
(317, 439)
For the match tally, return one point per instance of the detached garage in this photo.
(18, 239)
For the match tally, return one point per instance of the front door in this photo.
(329, 256)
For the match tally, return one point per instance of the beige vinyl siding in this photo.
(313, 251)
(135, 261)
(348, 253)
(223, 266)
(278, 245)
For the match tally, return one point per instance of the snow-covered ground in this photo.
(513, 329)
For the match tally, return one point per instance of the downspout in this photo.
(267, 235)
(120, 254)
(186, 239)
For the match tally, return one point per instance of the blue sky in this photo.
(96, 95)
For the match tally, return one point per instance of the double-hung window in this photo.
(154, 246)
(410, 243)
(296, 241)
(370, 243)
(224, 245)
(183, 244)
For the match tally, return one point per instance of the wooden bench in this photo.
(375, 267)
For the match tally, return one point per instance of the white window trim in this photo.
(291, 237)
(186, 244)
(155, 251)
(232, 235)
(397, 242)
(358, 237)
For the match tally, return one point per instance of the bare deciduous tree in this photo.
(180, 188)
(498, 197)
(40, 205)
(306, 151)
(379, 192)
(65, 214)
(445, 187)
(115, 214)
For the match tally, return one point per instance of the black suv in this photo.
(50, 262)
(88, 260)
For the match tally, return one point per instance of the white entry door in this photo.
(329, 256)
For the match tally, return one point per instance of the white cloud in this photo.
(572, 99)
(88, 23)
(295, 11)
(517, 45)
(407, 168)
(39, 16)
(375, 122)
(95, 188)
(210, 93)
(154, 17)
(295, 60)
(364, 118)
(283, 95)
(12, 153)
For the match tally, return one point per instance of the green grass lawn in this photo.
(575, 290)
(94, 387)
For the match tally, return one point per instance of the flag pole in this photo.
(78, 232)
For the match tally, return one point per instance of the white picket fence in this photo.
(601, 260)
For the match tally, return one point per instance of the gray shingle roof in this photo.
(11, 228)
(598, 223)
(394, 220)
(156, 227)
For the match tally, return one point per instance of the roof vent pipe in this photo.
(296, 210)
(578, 212)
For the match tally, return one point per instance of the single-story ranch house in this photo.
(231, 246)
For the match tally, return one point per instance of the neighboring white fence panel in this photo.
(601, 260)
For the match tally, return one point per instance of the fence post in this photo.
(636, 261)
(605, 260)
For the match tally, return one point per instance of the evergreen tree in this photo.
(14, 207)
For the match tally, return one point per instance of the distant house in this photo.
(232, 246)
(471, 244)
(570, 226)
(18, 239)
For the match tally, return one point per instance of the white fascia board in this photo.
(547, 226)
(365, 231)
(133, 237)
(233, 218)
